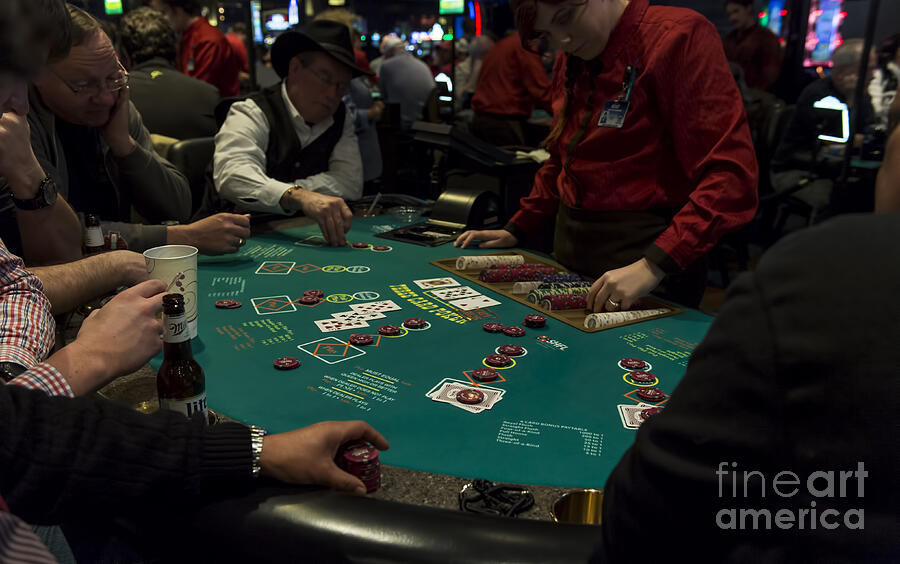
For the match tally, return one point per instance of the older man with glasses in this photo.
(291, 148)
(90, 140)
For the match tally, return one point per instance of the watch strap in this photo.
(45, 197)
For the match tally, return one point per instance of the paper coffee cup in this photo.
(176, 267)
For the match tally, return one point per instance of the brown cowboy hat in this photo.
(319, 35)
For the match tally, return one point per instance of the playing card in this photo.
(631, 415)
(375, 307)
(447, 394)
(357, 315)
(329, 325)
(430, 283)
(455, 293)
(474, 302)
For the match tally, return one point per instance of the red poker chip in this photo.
(514, 331)
(415, 323)
(651, 394)
(485, 374)
(470, 396)
(535, 320)
(493, 327)
(286, 363)
(310, 300)
(381, 248)
(633, 363)
(360, 245)
(642, 377)
(499, 360)
(650, 411)
(316, 293)
(361, 340)
(228, 304)
(511, 350)
(359, 453)
(389, 330)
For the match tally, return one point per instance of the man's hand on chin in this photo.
(115, 132)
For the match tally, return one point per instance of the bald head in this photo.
(846, 60)
(848, 54)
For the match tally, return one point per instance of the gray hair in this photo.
(848, 54)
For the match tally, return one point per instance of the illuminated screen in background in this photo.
(256, 20)
(452, 7)
(823, 35)
(112, 7)
(773, 17)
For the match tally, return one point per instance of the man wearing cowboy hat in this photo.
(291, 148)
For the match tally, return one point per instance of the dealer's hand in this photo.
(331, 213)
(492, 239)
(620, 288)
(306, 456)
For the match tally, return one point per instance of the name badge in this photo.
(190, 65)
(614, 113)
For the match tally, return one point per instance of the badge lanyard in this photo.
(614, 111)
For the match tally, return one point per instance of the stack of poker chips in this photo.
(564, 301)
(561, 288)
(605, 319)
(361, 459)
(514, 273)
(484, 261)
(561, 277)
(527, 287)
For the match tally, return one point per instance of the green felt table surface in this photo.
(557, 424)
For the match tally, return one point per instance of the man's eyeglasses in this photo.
(329, 82)
(113, 83)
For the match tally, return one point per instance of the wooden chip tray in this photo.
(573, 317)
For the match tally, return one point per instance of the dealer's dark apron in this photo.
(591, 242)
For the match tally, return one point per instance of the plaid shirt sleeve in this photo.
(27, 331)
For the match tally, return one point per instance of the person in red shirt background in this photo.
(237, 38)
(751, 46)
(651, 156)
(203, 52)
(512, 83)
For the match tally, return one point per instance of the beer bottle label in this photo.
(189, 407)
(176, 328)
(93, 237)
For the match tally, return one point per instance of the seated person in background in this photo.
(468, 71)
(886, 79)
(90, 140)
(171, 103)
(404, 80)
(203, 51)
(751, 46)
(365, 110)
(887, 186)
(806, 419)
(292, 148)
(512, 84)
(799, 157)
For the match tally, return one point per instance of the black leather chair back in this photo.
(192, 157)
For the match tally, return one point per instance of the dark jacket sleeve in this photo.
(62, 457)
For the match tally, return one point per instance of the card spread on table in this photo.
(631, 414)
(329, 325)
(357, 315)
(375, 307)
(431, 283)
(455, 293)
(474, 302)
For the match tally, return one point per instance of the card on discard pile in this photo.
(474, 302)
(446, 390)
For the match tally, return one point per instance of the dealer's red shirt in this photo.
(513, 81)
(685, 143)
(205, 54)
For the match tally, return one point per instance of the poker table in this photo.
(556, 424)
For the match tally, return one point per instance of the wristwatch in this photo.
(288, 193)
(46, 196)
(256, 445)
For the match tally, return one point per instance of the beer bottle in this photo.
(180, 383)
(93, 236)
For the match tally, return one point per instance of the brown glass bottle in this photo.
(180, 383)
(93, 236)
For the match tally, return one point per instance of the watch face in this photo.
(45, 197)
